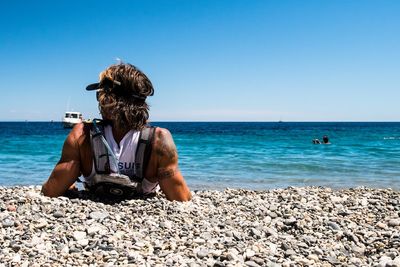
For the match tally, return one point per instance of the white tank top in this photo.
(125, 154)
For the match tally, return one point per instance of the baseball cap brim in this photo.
(93, 86)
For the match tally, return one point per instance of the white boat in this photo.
(71, 118)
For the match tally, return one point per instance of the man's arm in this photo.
(67, 170)
(169, 177)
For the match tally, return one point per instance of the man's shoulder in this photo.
(80, 131)
(161, 134)
(164, 144)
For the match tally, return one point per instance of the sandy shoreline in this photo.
(284, 227)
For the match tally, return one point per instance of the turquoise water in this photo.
(246, 155)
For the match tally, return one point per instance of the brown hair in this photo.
(124, 102)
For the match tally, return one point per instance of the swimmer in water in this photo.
(316, 141)
(325, 140)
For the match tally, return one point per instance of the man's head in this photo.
(122, 93)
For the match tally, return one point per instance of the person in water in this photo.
(325, 141)
(121, 95)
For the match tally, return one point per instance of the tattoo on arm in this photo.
(167, 156)
(167, 149)
(165, 173)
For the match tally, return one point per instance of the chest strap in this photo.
(143, 151)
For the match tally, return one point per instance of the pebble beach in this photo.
(310, 226)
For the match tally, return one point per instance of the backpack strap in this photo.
(99, 150)
(143, 151)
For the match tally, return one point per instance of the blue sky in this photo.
(208, 60)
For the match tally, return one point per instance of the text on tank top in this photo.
(124, 151)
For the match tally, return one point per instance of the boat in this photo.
(71, 118)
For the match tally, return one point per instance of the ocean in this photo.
(250, 155)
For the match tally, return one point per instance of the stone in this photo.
(216, 253)
(337, 200)
(395, 262)
(42, 223)
(58, 214)
(384, 261)
(166, 224)
(11, 208)
(202, 253)
(7, 222)
(199, 241)
(334, 225)
(249, 253)
(255, 232)
(394, 222)
(16, 258)
(251, 264)
(93, 230)
(16, 247)
(313, 257)
(355, 261)
(273, 264)
(140, 244)
(65, 249)
(215, 228)
(232, 254)
(381, 225)
(289, 252)
(79, 235)
(83, 242)
(291, 221)
(359, 250)
(98, 215)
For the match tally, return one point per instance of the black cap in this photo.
(93, 86)
(114, 86)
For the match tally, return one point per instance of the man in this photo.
(121, 94)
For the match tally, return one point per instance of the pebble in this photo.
(313, 257)
(166, 224)
(381, 225)
(58, 214)
(16, 258)
(42, 223)
(79, 235)
(140, 244)
(394, 222)
(98, 215)
(334, 225)
(16, 247)
(255, 232)
(83, 242)
(289, 252)
(93, 230)
(251, 264)
(7, 222)
(11, 208)
(202, 253)
(199, 241)
(249, 253)
(311, 226)
(396, 262)
(384, 261)
(355, 261)
(290, 221)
